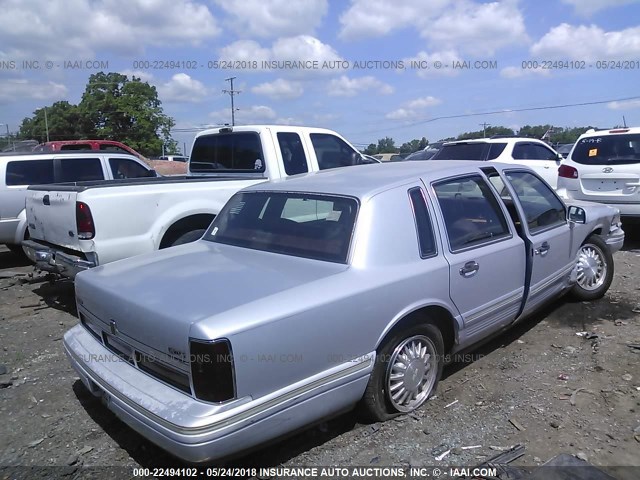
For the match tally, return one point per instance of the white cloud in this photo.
(244, 50)
(568, 42)
(519, 72)
(279, 89)
(349, 87)
(182, 88)
(463, 25)
(414, 109)
(445, 57)
(624, 104)
(246, 115)
(375, 18)
(275, 18)
(301, 48)
(589, 7)
(480, 29)
(41, 29)
(20, 89)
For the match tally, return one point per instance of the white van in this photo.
(18, 171)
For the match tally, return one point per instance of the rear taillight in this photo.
(566, 171)
(84, 222)
(212, 370)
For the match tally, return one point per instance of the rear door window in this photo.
(532, 151)
(293, 157)
(30, 172)
(80, 169)
(235, 151)
(471, 212)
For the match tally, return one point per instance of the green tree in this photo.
(488, 132)
(372, 149)
(386, 145)
(129, 111)
(64, 121)
(414, 145)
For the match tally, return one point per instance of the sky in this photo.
(367, 69)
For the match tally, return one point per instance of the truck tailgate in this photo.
(51, 217)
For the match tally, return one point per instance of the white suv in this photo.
(531, 152)
(604, 167)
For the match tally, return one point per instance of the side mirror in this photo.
(577, 214)
(152, 173)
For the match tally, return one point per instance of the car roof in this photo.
(365, 181)
(611, 131)
(62, 153)
(497, 139)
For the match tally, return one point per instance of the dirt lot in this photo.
(540, 385)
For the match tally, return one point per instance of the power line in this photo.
(496, 112)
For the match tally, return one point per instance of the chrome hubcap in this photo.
(411, 373)
(592, 268)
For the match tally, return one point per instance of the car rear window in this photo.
(608, 149)
(30, 172)
(236, 151)
(297, 224)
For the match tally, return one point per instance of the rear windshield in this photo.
(608, 149)
(298, 224)
(236, 151)
(470, 151)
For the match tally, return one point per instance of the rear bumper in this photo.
(56, 261)
(196, 431)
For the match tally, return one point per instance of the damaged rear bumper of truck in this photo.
(56, 261)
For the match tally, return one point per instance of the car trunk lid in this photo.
(51, 217)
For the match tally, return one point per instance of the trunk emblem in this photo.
(607, 170)
(113, 327)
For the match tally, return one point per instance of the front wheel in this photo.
(408, 367)
(595, 269)
(189, 237)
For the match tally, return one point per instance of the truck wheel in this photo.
(595, 269)
(189, 237)
(408, 367)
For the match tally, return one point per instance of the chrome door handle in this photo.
(469, 269)
(543, 249)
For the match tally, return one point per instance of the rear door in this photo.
(550, 257)
(486, 257)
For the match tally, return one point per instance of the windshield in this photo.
(235, 151)
(608, 149)
(298, 224)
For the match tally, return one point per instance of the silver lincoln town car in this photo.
(311, 295)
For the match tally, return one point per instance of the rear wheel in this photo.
(408, 367)
(188, 237)
(595, 269)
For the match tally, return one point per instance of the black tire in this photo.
(595, 269)
(189, 237)
(377, 403)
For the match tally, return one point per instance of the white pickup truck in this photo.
(80, 225)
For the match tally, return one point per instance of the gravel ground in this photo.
(540, 385)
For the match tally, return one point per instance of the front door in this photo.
(548, 235)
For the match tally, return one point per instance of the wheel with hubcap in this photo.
(408, 367)
(594, 269)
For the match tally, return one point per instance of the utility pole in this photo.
(46, 123)
(231, 93)
(484, 129)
